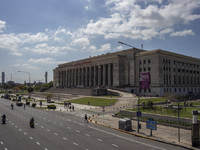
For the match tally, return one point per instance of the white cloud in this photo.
(130, 20)
(45, 61)
(182, 33)
(44, 48)
(25, 66)
(105, 47)
(84, 41)
(2, 25)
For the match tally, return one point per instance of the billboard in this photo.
(144, 80)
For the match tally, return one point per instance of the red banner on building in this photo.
(144, 80)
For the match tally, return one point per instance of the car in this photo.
(19, 103)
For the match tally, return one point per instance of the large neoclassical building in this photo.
(169, 72)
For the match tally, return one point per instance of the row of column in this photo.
(91, 76)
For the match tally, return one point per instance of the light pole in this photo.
(138, 113)
(29, 80)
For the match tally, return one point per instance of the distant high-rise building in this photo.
(3, 78)
(45, 77)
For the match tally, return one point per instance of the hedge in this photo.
(33, 104)
(51, 106)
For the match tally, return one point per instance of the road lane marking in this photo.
(114, 145)
(55, 133)
(20, 129)
(54, 122)
(78, 131)
(2, 143)
(75, 144)
(31, 138)
(15, 126)
(65, 138)
(87, 135)
(68, 127)
(99, 139)
(42, 127)
(25, 133)
(38, 143)
(48, 130)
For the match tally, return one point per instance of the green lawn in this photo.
(186, 112)
(94, 101)
(154, 100)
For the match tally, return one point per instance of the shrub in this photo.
(1, 96)
(51, 106)
(33, 104)
(27, 103)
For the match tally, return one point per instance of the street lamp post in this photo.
(29, 79)
(138, 113)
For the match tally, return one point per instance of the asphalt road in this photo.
(60, 131)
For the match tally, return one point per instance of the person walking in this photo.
(24, 106)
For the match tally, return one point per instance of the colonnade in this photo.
(87, 76)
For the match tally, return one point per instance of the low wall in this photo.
(155, 116)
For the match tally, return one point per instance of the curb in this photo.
(138, 135)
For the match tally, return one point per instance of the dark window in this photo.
(144, 61)
(149, 61)
(144, 69)
(149, 68)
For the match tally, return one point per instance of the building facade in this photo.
(169, 72)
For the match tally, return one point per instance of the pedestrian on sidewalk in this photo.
(70, 107)
(73, 107)
(24, 106)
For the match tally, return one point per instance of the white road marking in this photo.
(99, 139)
(42, 127)
(15, 126)
(81, 124)
(6, 149)
(75, 144)
(48, 130)
(61, 124)
(45, 149)
(87, 134)
(20, 129)
(68, 127)
(38, 143)
(55, 133)
(31, 138)
(64, 138)
(114, 145)
(77, 131)
(54, 122)
(2, 143)
(25, 133)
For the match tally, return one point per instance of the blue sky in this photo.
(37, 35)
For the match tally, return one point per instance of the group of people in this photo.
(69, 106)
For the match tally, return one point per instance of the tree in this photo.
(30, 89)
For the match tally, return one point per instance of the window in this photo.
(144, 69)
(144, 61)
(149, 90)
(149, 61)
(163, 60)
(149, 68)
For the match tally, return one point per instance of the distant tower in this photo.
(45, 77)
(3, 78)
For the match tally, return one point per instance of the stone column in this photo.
(90, 75)
(99, 75)
(104, 75)
(109, 74)
(86, 76)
